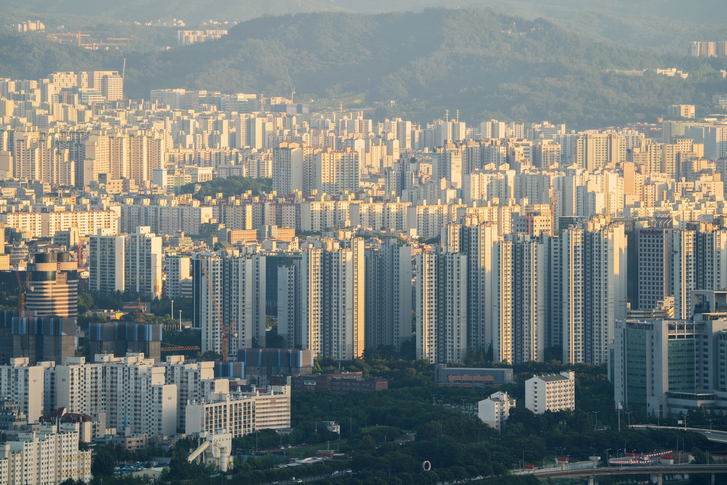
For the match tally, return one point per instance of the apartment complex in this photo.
(129, 262)
(240, 414)
(229, 292)
(47, 456)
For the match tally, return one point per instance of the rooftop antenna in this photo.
(457, 116)
(446, 116)
(292, 89)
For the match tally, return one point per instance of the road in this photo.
(712, 435)
(553, 472)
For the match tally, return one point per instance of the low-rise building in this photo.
(262, 364)
(334, 381)
(552, 392)
(470, 376)
(240, 413)
(495, 410)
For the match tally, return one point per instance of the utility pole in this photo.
(595, 423)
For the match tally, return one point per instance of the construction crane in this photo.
(225, 330)
(139, 310)
(23, 286)
(292, 89)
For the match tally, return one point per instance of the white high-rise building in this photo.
(529, 315)
(499, 325)
(654, 266)
(47, 456)
(441, 298)
(287, 168)
(130, 390)
(684, 265)
(593, 288)
(231, 288)
(189, 378)
(698, 262)
(143, 262)
(325, 313)
(106, 262)
(388, 295)
(478, 241)
(178, 269)
(336, 171)
(24, 384)
(447, 163)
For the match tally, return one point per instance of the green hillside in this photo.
(660, 25)
(471, 60)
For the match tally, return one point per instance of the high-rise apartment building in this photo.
(477, 242)
(189, 378)
(106, 262)
(388, 295)
(229, 290)
(653, 248)
(112, 87)
(327, 314)
(130, 390)
(22, 383)
(529, 296)
(441, 299)
(44, 456)
(447, 163)
(593, 288)
(287, 168)
(143, 262)
(336, 171)
(178, 269)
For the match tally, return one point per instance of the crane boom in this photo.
(22, 288)
(292, 89)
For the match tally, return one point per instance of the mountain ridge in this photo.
(478, 61)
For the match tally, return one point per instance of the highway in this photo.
(554, 472)
(712, 435)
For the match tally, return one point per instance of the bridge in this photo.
(656, 471)
(715, 436)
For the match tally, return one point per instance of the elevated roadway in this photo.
(712, 435)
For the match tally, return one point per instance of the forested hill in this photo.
(479, 62)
